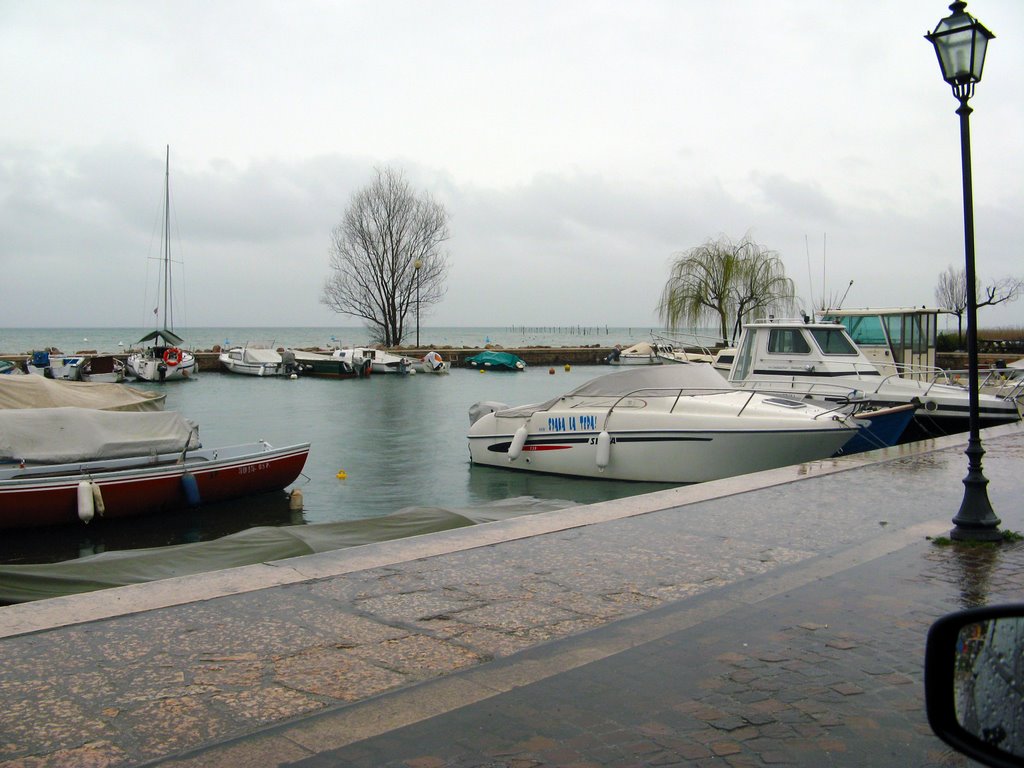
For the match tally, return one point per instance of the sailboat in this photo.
(164, 359)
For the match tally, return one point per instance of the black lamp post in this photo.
(960, 42)
(417, 264)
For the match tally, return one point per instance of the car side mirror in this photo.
(974, 683)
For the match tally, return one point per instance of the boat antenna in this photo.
(840, 305)
(824, 261)
(810, 275)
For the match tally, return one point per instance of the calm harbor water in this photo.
(400, 440)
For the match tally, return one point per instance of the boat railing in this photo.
(680, 392)
(684, 341)
(804, 320)
(788, 386)
(1005, 383)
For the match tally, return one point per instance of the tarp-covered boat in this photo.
(39, 392)
(61, 465)
(35, 581)
(490, 360)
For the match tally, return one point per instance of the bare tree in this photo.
(951, 294)
(386, 257)
(726, 281)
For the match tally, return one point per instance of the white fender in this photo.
(86, 510)
(518, 440)
(604, 449)
(97, 499)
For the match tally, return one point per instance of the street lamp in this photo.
(960, 42)
(417, 264)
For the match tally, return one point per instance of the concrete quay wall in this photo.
(209, 361)
(544, 356)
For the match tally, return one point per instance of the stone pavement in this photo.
(772, 619)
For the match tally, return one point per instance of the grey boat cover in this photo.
(642, 380)
(40, 392)
(66, 435)
(260, 355)
(25, 582)
(665, 379)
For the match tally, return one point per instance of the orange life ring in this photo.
(172, 356)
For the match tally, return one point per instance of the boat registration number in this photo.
(253, 468)
(572, 423)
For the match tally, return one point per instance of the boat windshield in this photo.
(670, 377)
(833, 341)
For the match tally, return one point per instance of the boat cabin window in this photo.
(865, 330)
(744, 358)
(787, 341)
(833, 342)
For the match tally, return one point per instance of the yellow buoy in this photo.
(341, 474)
(567, 368)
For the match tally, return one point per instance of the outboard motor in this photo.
(482, 408)
(288, 360)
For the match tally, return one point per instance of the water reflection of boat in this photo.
(192, 524)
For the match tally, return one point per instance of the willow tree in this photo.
(725, 281)
(386, 257)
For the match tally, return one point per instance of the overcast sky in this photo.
(576, 145)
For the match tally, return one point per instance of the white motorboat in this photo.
(102, 368)
(670, 423)
(328, 365)
(432, 362)
(54, 365)
(656, 353)
(380, 361)
(258, 360)
(644, 353)
(163, 359)
(821, 360)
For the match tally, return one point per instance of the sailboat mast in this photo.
(167, 238)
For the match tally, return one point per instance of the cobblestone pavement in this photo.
(778, 625)
(826, 674)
